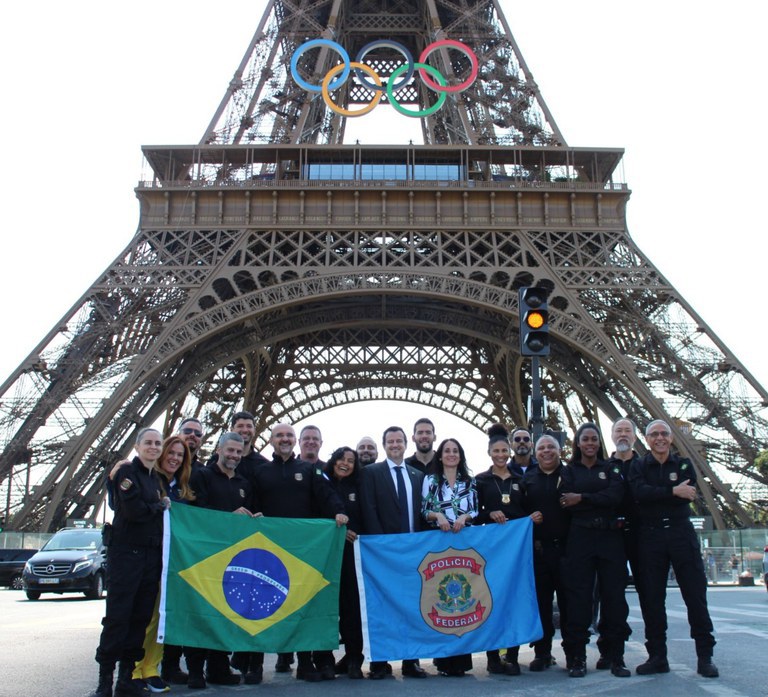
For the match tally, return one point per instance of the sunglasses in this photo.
(522, 439)
(192, 431)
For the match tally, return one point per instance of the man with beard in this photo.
(522, 447)
(219, 486)
(288, 487)
(624, 436)
(664, 485)
(424, 438)
(244, 424)
(367, 451)
(191, 432)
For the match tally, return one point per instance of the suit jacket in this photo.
(379, 502)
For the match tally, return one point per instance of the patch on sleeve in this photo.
(126, 484)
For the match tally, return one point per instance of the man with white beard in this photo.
(624, 436)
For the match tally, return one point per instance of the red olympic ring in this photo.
(466, 50)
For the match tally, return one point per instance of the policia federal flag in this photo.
(235, 583)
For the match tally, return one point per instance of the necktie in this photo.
(402, 496)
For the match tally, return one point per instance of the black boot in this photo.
(126, 686)
(195, 662)
(170, 668)
(106, 676)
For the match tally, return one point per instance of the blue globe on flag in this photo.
(255, 584)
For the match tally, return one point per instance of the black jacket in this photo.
(137, 497)
(652, 484)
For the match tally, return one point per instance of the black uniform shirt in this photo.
(348, 491)
(601, 488)
(628, 508)
(490, 492)
(542, 493)
(294, 489)
(214, 489)
(414, 461)
(138, 506)
(652, 484)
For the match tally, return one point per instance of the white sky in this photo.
(679, 85)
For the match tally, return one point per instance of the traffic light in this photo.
(534, 322)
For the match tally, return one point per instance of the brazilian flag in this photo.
(236, 583)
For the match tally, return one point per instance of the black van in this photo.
(73, 560)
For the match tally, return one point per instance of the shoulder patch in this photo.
(684, 466)
(617, 470)
(318, 472)
(126, 484)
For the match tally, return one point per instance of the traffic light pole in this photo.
(536, 417)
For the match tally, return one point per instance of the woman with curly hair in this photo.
(449, 503)
(343, 473)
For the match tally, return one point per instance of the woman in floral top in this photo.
(449, 503)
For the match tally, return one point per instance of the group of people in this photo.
(590, 517)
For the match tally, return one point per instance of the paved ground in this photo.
(47, 648)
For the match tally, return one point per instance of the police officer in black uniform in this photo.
(288, 487)
(500, 498)
(343, 472)
(134, 562)
(624, 436)
(664, 485)
(592, 492)
(219, 486)
(541, 484)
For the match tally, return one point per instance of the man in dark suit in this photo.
(390, 493)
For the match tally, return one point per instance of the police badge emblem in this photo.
(242, 494)
(352, 496)
(602, 475)
(455, 597)
(298, 476)
(673, 476)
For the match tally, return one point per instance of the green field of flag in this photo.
(236, 583)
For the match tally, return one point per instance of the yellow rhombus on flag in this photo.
(214, 578)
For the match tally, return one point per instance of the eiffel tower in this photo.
(279, 269)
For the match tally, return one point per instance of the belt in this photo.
(664, 523)
(599, 523)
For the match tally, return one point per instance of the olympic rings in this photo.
(400, 77)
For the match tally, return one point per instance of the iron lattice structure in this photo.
(273, 271)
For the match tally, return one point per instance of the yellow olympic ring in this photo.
(348, 112)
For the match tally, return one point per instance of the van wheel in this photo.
(33, 595)
(97, 588)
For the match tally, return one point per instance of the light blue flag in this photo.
(435, 594)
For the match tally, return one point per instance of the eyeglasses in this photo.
(658, 434)
(192, 431)
(522, 439)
